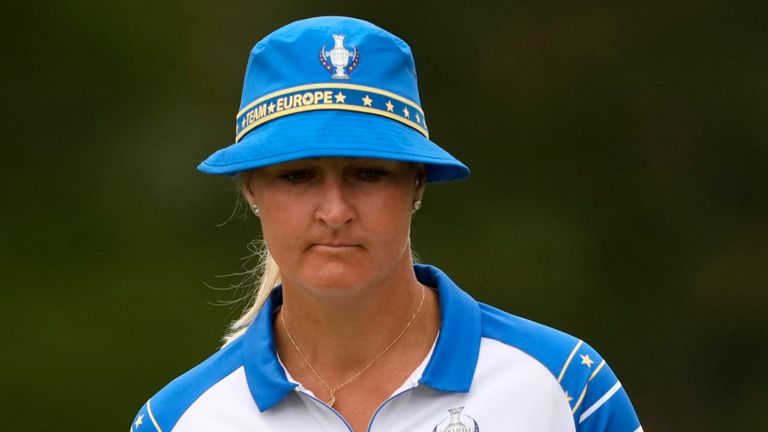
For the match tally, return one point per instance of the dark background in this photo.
(619, 155)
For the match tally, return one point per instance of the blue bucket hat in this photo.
(331, 86)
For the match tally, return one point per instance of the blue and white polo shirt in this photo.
(488, 371)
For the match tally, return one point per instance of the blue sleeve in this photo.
(163, 410)
(145, 420)
(598, 401)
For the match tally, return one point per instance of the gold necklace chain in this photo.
(332, 390)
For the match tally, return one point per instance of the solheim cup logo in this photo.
(455, 424)
(339, 57)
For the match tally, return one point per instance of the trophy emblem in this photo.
(456, 425)
(340, 57)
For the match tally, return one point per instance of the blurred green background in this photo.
(620, 166)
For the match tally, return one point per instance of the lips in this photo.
(335, 246)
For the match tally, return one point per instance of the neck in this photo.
(340, 334)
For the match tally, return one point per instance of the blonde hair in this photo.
(264, 277)
(261, 279)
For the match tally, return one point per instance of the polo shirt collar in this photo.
(265, 375)
(453, 362)
(450, 369)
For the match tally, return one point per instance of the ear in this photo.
(421, 182)
(246, 186)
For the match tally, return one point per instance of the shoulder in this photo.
(163, 410)
(548, 346)
(597, 400)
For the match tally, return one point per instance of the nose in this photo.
(334, 208)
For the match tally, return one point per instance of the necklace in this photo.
(332, 390)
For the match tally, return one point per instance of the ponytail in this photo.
(264, 277)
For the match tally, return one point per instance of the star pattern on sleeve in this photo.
(568, 397)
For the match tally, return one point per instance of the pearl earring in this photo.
(416, 205)
(255, 209)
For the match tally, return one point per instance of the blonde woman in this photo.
(344, 332)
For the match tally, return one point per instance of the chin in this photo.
(340, 278)
(334, 278)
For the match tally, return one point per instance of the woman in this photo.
(333, 155)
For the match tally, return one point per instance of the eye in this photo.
(296, 176)
(371, 174)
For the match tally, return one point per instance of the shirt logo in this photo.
(339, 57)
(455, 424)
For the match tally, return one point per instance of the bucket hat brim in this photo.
(333, 133)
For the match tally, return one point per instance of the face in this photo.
(337, 224)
